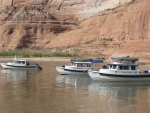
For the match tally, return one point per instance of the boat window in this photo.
(121, 67)
(125, 67)
(133, 67)
(88, 65)
(23, 62)
(79, 65)
(18, 62)
(83, 65)
(114, 66)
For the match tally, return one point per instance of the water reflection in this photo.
(12, 75)
(120, 97)
(23, 91)
(117, 91)
(75, 80)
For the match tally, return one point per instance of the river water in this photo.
(46, 91)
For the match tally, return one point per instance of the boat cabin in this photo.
(18, 63)
(121, 66)
(82, 64)
(124, 63)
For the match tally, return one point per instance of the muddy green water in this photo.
(48, 92)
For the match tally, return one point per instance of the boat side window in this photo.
(18, 62)
(125, 67)
(133, 67)
(114, 66)
(84, 65)
(121, 67)
(88, 65)
(23, 62)
(79, 65)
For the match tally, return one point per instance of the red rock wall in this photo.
(101, 33)
(128, 25)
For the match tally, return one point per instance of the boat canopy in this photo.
(80, 60)
(86, 60)
(97, 61)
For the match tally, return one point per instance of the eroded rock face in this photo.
(64, 9)
(97, 26)
(20, 36)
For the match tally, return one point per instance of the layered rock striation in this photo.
(93, 27)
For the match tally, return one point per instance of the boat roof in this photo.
(82, 62)
(122, 64)
(86, 60)
(126, 59)
(97, 61)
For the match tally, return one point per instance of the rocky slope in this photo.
(90, 27)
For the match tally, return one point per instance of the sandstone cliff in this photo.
(91, 27)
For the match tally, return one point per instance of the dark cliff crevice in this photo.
(41, 25)
(59, 7)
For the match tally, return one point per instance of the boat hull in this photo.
(97, 76)
(65, 71)
(5, 66)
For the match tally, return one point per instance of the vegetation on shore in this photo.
(26, 54)
(34, 54)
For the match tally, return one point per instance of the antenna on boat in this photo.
(15, 57)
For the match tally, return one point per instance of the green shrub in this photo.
(37, 55)
(34, 54)
(7, 53)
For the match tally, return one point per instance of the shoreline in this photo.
(61, 59)
(44, 59)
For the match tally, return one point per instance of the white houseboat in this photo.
(120, 69)
(77, 66)
(19, 64)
